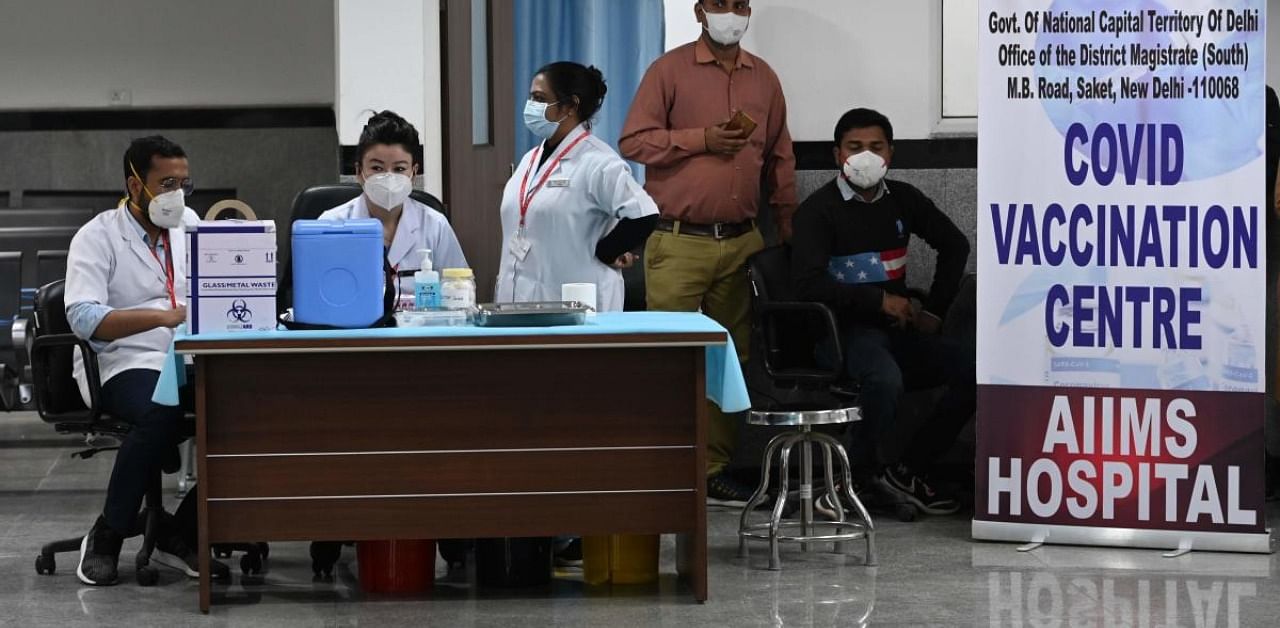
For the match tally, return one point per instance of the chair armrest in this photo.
(20, 336)
(821, 312)
(43, 345)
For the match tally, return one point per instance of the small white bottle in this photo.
(459, 289)
(426, 285)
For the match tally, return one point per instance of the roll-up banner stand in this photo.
(1121, 268)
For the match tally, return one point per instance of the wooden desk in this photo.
(453, 437)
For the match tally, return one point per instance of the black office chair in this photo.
(59, 403)
(313, 201)
(788, 332)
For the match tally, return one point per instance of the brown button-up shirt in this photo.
(684, 92)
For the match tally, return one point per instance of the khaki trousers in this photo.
(686, 273)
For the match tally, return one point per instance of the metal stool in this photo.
(810, 531)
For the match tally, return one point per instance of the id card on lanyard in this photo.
(167, 265)
(520, 244)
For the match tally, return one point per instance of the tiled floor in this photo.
(930, 574)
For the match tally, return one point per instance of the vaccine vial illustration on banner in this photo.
(1233, 355)
(1089, 367)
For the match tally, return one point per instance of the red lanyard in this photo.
(526, 199)
(167, 264)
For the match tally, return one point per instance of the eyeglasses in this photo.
(169, 184)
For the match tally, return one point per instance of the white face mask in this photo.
(388, 190)
(865, 170)
(726, 29)
(535, 119)
(166, 210)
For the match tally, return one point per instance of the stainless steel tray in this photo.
(534, 314)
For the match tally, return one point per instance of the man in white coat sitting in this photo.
(126, 281)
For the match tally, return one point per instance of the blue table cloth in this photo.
(725, 384)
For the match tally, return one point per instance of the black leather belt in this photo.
(719, 230)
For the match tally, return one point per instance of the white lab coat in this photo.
(584, 197)
(420, 227)
(109, 264)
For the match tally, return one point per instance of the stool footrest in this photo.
(761, 531)
(839, 492)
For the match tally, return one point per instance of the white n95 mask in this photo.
(165, 210)
(865, 170)
(388, 190)
(726, 29)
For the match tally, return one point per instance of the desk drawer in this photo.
(452, 517)
(419, 473)
(395, 401)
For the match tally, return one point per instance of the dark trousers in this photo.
(888, 362)
(151, 442)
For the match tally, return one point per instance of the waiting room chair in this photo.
(51, 217)
(59, 403)
(50, 266)
(12, 331)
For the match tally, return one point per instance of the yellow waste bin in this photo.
(620, 559)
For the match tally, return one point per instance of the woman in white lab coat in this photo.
(571, 212)
(385, 167)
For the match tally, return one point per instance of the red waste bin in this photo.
(396, 567)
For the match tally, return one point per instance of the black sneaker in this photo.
(864, 489)
(724, 490)
(172, 551)
(912, 486)
(827, 504)
(571, 555)
(100, 555)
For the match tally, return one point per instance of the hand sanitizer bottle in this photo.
(426, 285)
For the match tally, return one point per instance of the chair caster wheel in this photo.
(45, 564)
(219, 571)
(264, 550)
(250, 564)
(147, 576)
(906, 513)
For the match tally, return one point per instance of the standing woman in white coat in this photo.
(571, 212)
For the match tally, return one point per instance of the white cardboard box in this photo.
(231, 276)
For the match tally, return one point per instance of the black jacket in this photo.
(847, 254)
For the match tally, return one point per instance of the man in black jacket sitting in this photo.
(849, 251)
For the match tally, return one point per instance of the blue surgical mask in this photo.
(535, 119)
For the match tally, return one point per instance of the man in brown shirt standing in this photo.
(707, 167)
